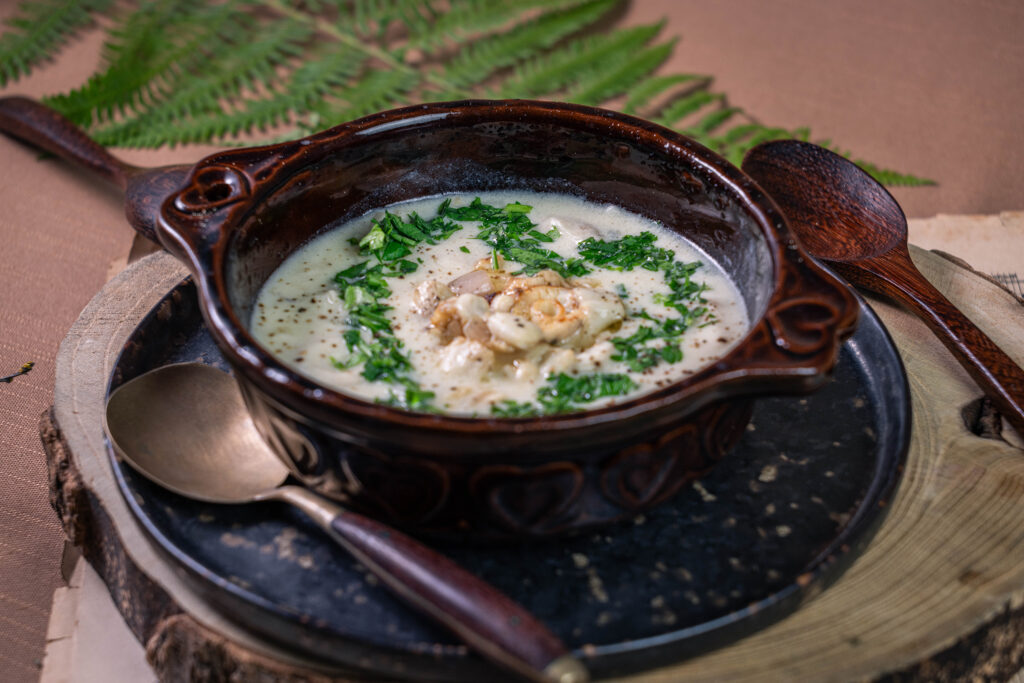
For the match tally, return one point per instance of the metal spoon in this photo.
(186, 428)
(843, 216)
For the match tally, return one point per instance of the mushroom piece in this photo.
(451, 316)
(427, 295)
(477, 282)
(576, 230)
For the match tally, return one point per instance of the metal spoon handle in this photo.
(478, 613)
(895, 275)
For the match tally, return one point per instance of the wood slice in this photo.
(938, 595)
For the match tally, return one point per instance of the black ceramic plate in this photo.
(777, 520)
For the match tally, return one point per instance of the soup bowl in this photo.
(235, 216)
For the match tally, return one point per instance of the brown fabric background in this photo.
(930, 87)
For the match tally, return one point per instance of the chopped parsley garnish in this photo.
(510, 408)
(566, 393)
(659, 342)
(370, 340)
(639, 355)
(510, 232)
(630, 252)
(372, 343)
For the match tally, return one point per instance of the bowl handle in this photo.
(805, 324)
(49, 130)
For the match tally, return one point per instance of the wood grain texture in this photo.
(843, 216)
(38, 125)
(939, 594)
(484, 618)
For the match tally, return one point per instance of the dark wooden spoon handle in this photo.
(483, 617)
(145, 188)
(42, 127)
(895, 275)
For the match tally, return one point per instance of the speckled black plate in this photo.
(774, 523)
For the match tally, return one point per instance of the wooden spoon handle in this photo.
(45, 128)
(483, 617)
(995, 372)
(145, 189)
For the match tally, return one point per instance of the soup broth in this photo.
(504, 304)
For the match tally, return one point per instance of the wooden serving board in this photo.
(938, 595)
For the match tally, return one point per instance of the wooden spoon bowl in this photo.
(843, 216)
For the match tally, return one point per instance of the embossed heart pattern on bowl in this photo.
(236, 215)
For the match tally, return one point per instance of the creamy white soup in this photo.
(504, 304)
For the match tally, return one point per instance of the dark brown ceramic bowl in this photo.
(241, 213)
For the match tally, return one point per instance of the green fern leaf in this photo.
(644, 92)
(474, 18)
(601, 86)
(415, 16)
(178, 71)
(148, 54)
(38, 30)
(734, 135)
(562, 67)
(368, 17)
(735, 152)
(251, 65)
(893, 178)
(373, 17)
(307, 85)
(376, 91)
(481, 58)
(682, 107)
(703, 128)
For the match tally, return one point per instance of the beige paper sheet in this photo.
(928, 87)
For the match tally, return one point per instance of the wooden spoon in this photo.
(186, 428)
(843, 216)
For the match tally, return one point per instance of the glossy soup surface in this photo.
(546, 304)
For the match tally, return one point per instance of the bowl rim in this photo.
(201, 236)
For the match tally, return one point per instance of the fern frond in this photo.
(595, 88)
(892, 178)
(247, 66)
(643, 93)
(735, 152)
(562, 67)
(415, 15)
(371, 18)
(368, 17)
(147, 54)
(376, 91)
(39, 29)
(734, 135)
(468, 18)
(307, 85)
(178, 71)
(703, 128)
(682, 107)
(313, 6)
(483, 57)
